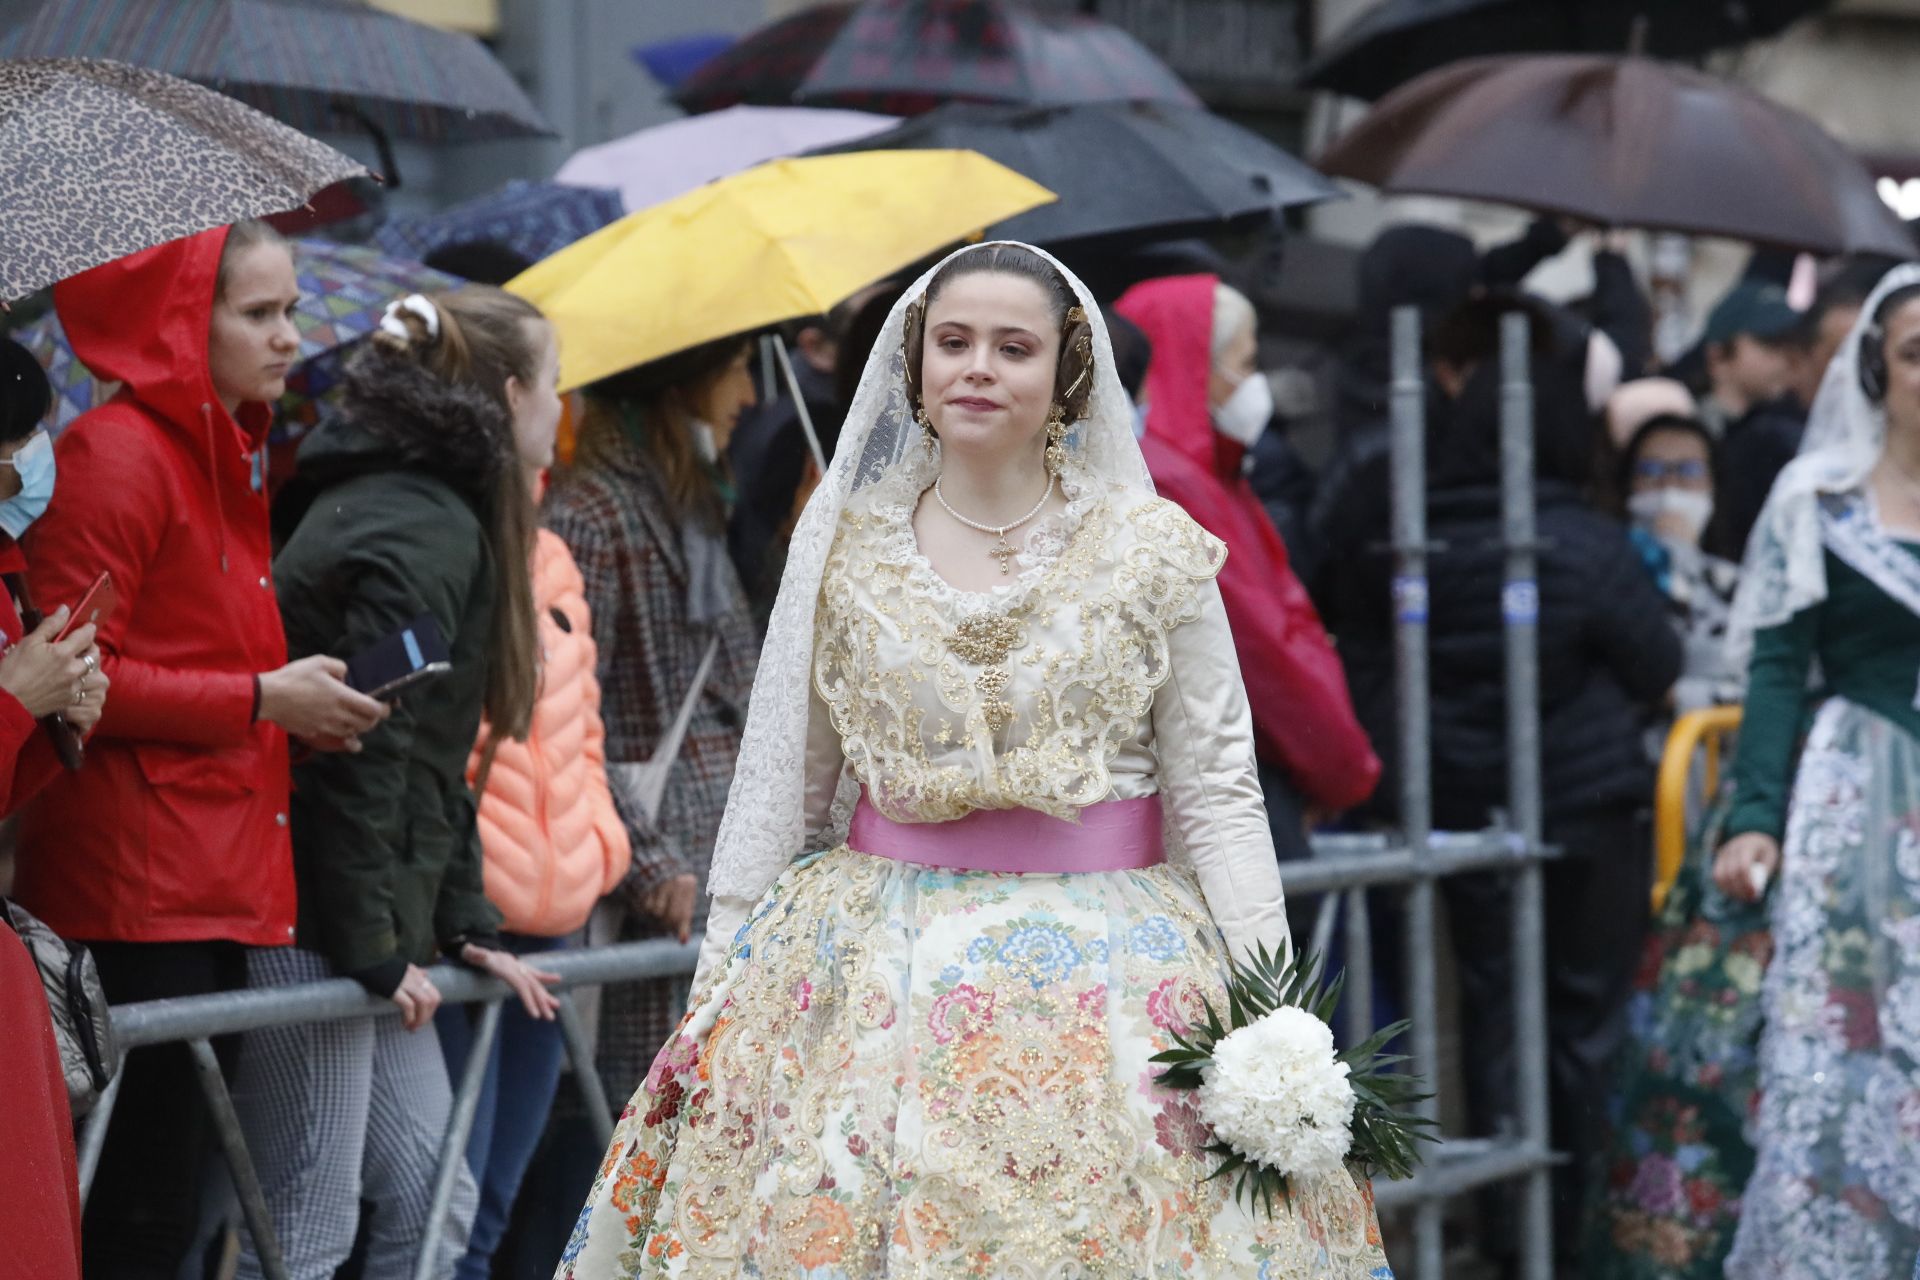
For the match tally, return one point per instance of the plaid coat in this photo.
(613, 513)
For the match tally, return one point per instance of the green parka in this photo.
(387, 512)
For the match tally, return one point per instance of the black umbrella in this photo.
(903, 57)
(99, 160)
(1398, 40)
(318, 64)
(1139, 170)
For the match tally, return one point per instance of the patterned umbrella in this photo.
(765, 68)
(903, 57)
(99, 160)
(343, 290)
(536, 219)
(318, 64)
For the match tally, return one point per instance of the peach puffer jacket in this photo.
(554, 843)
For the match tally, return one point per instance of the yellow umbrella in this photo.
(783, 240)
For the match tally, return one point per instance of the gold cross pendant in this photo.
(1003, 553)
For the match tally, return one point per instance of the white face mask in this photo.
(1688, 507)
(1246, 413)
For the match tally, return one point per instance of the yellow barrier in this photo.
(1670, 833)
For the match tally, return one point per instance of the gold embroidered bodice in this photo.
(1037, 694)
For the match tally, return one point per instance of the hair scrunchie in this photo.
(415, 304)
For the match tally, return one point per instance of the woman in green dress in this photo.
(1831, 593)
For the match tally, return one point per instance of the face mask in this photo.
(1245, 415)
(34, 462)
(1689, 508)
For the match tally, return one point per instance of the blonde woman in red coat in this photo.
(554, 846)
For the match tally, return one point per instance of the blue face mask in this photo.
(34, 463)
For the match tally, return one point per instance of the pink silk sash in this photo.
(1114, 835)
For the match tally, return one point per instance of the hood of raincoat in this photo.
(144, 321)
(1176, 314)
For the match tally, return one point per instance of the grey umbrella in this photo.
(317, 64)
(99, 160)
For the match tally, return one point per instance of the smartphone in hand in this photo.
(390, 666)
(95, 607)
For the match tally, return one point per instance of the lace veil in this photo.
(762, 830)
(1784, 570)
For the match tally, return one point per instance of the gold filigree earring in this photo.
(1057, 439)
(928, 434)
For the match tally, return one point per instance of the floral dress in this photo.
(906, 1071)
(1679, 1159)
(1835, 1192)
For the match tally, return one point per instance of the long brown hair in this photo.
(484, 339)
(654, 405)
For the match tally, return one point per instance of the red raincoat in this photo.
(176, 829)
(39, 1185)
(1303, 718)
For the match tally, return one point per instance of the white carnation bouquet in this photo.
(1281, 1102)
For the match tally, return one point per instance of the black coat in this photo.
(1755, 450)
(769, 455)
(394, 492)
(1607, 654)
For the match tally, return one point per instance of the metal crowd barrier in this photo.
(197, 1019)
(1343, 868)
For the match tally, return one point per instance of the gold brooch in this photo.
(985, 640)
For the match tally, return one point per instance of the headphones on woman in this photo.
(1872, 361)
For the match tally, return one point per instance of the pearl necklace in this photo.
(1001, 550)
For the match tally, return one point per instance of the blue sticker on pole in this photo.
(1520, 603)
(1410, 598)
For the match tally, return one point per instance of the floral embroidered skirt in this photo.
(909, 1072)
(1835, 1193)
(1679, 1159)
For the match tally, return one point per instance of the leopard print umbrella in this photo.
(99, 160)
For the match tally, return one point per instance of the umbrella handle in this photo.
(799, 403)
(389, 175)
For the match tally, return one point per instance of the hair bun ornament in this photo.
(414, 304)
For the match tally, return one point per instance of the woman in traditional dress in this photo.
(1833, 575)
(920, 1037)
